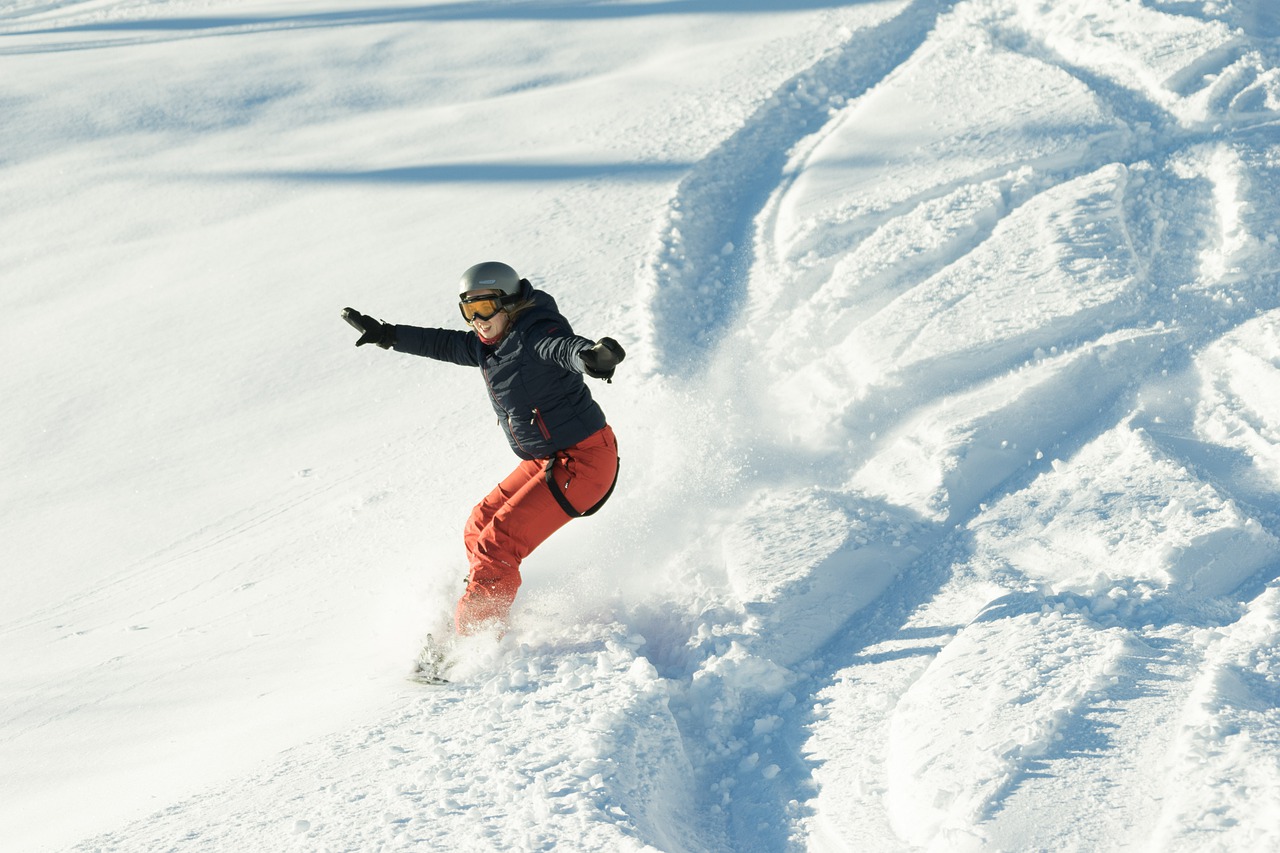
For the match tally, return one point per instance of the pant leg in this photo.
(518, 516)
(484, 511)
(501, 533)
(492, 581)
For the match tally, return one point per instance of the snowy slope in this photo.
(950, 433)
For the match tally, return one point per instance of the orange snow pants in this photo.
(519, 515)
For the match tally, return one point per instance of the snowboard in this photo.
(432, 663)
(429, 678)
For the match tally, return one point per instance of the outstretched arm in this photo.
(579, 354)
(440, 344)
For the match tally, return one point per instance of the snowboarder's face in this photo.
(490, 328)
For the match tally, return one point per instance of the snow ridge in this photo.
(695, 279)
(941, 417)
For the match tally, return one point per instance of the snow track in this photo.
(876, 316)
(704, 247)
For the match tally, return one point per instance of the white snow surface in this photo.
(950, 424)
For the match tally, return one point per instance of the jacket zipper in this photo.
(542, 425)
(511, 421)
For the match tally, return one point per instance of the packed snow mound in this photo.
(1025, 668)
(1239, 409)
(949, 434)
(1122, 502)
(1226, 773)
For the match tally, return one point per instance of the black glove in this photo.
(600, 360)
(371, 331)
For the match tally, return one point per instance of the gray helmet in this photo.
(491, 275)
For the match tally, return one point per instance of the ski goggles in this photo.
(484, 307)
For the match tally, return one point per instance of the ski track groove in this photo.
(688, 263)
(871, 636)
(692, 262)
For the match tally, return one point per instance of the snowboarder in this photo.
(533, 365)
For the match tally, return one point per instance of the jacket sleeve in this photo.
(441, 344)
(556, 344)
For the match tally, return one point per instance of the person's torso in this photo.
(543, 407)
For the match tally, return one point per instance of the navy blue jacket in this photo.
(534, 376)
